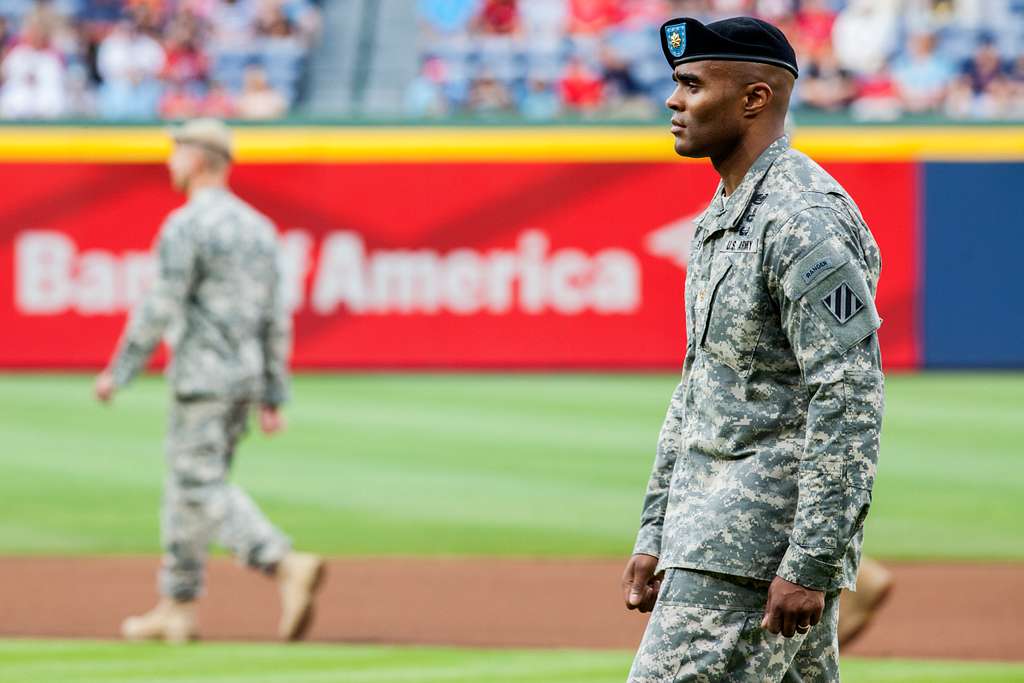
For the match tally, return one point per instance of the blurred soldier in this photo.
(857, 608)
(753, 518)
(218, 296)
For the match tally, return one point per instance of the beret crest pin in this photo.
(675, 35)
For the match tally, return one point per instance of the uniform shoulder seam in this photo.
(788, 218)
(179, 218)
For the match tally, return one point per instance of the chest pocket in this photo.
(736, 309)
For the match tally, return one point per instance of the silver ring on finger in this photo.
(803, 629)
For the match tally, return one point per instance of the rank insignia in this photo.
(675, 37)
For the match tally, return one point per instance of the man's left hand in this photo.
(792, 608)
(104, 387)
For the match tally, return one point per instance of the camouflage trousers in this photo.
(706, 628)
(201, 506)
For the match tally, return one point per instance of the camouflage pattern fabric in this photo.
(706, 628)
(218, 296)
(200, 504)
(767, 456)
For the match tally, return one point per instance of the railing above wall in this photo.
(577, 143)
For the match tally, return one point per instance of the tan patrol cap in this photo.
(209, 133)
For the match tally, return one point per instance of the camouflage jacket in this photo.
(218, 296)
(767, 456)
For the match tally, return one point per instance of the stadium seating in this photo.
(498, 59)
(138, 59)
(857, 57)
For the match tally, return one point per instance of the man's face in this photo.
(183, 164)
(707, 108)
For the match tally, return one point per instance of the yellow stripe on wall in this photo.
(558, 144)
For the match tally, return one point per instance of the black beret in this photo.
(739, 39)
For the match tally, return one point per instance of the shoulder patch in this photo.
(824, 259)
(843, 303)
(822, 265)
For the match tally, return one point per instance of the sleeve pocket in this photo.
(822, 496)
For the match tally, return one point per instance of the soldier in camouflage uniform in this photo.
(218, 297)
(753, 518)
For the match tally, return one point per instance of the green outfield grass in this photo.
(551, 465)
(103, 662)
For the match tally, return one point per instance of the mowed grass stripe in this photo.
(508, 464)
(228, 663)
(97, 661)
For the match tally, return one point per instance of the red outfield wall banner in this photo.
(486, 265)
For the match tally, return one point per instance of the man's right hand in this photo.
(104, 387)
(640, 585)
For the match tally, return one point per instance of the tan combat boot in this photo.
(856, 610)
(171, 621)
(299, 576)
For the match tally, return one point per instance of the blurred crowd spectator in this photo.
(537, 59)
(873, 59)
(144, 59)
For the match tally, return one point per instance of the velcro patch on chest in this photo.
(842, 303)
(741, 246)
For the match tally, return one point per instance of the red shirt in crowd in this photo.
(593, 16)
(815, 27)
(581, 88)
(499, 16)
(184, 64)
(178, 103)
(219, 103)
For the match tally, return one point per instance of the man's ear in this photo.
(758, 97)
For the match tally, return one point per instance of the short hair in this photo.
(214, 159)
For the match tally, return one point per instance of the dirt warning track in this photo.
(953, 611)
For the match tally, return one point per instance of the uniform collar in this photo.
(204, 192)
(736, 204)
